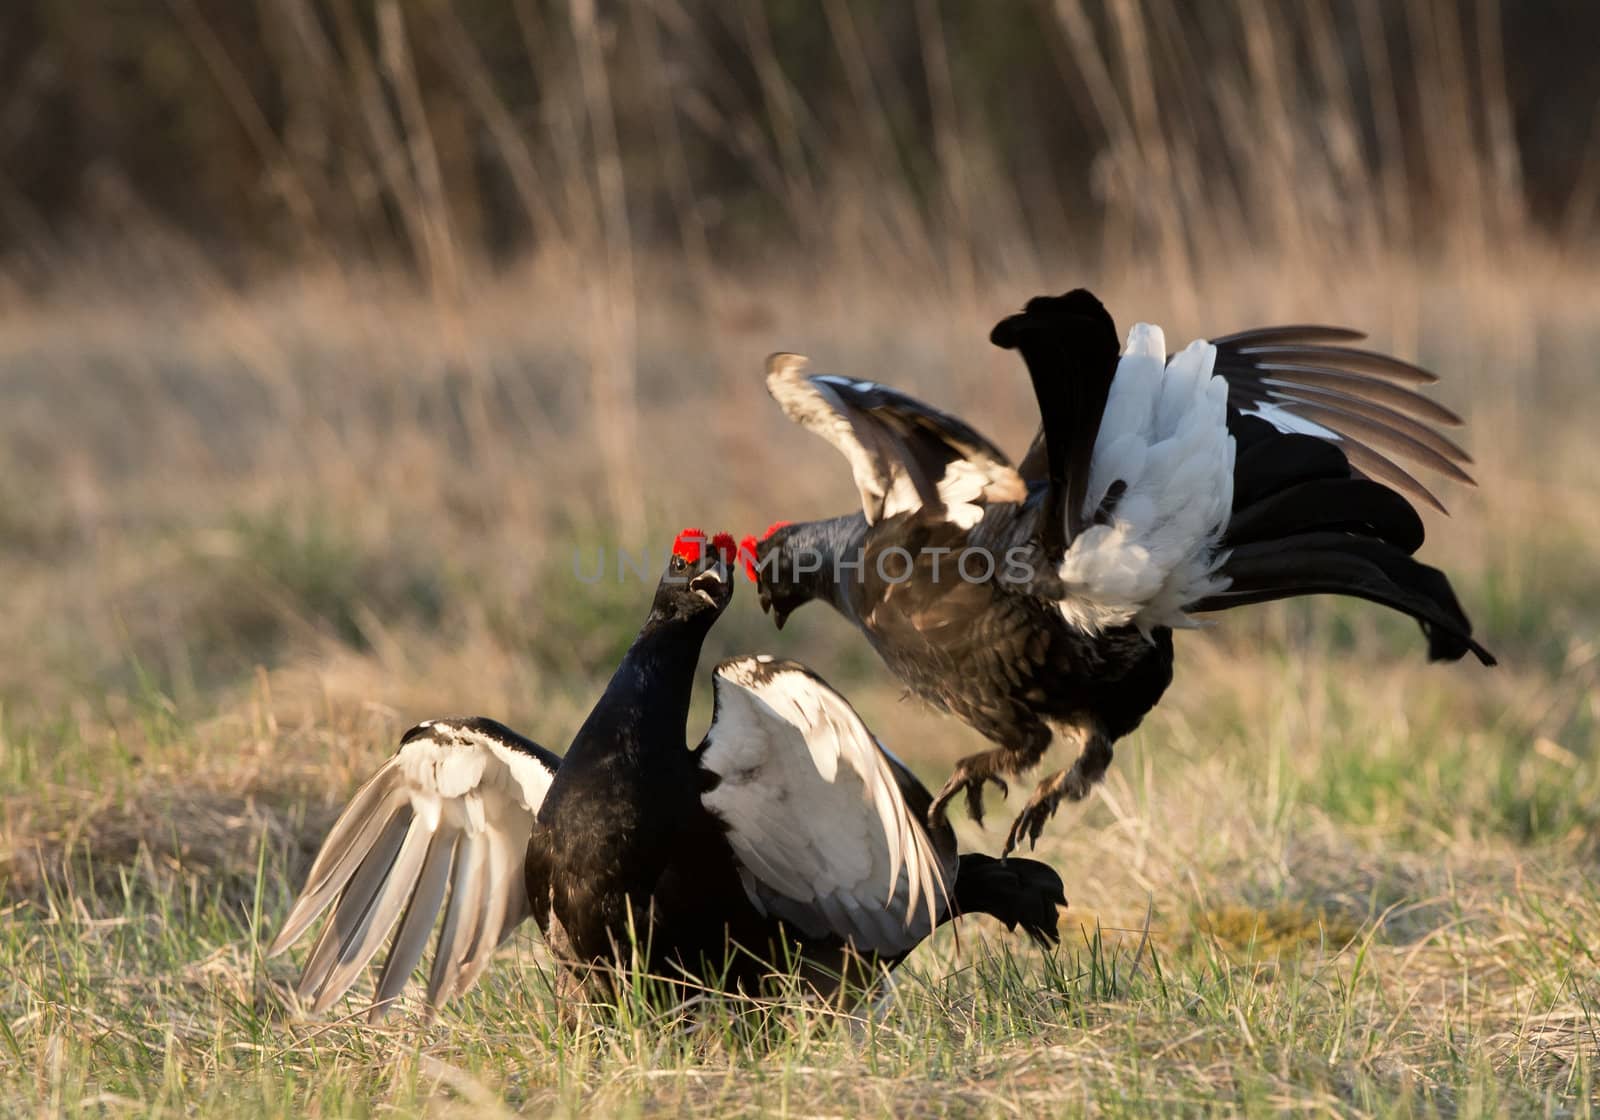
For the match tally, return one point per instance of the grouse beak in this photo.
(779, 617)
(708, 582)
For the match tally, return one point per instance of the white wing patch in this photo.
(964, 490)
(814, 814)
(452, 812)
(1285, 420)
(1164, 437)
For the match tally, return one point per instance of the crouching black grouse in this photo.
(1040, 600)
(790, 837)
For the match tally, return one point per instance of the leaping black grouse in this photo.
(1040, 600)
(789, 836)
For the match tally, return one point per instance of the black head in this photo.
(698, 582)
(775, 572)
(1077, 315)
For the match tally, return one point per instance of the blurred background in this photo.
(334, 327)
(331, 331)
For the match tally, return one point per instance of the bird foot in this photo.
(1047, 797)
(970, 775)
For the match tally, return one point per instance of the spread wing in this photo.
(905, 456)
(816, 813)
(450, 813)
(1303, 379)
(1306, 379)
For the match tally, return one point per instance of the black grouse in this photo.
(1039, 600)
(789, 837)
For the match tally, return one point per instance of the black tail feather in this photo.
(1016, 891)
(1330, 563)
(1070, 346)
(1305, 523)
(1266, 465)
(1350, 505)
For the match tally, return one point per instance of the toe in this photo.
(975, 802)
(1014, 835)
(1036, 828)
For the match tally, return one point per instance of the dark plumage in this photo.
(727, 861)
(1156, 488)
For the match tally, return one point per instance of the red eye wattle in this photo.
(747, 553)
(689, 545)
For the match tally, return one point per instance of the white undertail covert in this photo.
(1164, 436)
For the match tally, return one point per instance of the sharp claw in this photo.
(975, 802)
(973, 788)
(1013, 835)
(1031, 821)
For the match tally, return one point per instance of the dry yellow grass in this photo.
(249, 532)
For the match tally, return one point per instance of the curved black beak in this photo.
(714, 584)
(779, 616)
